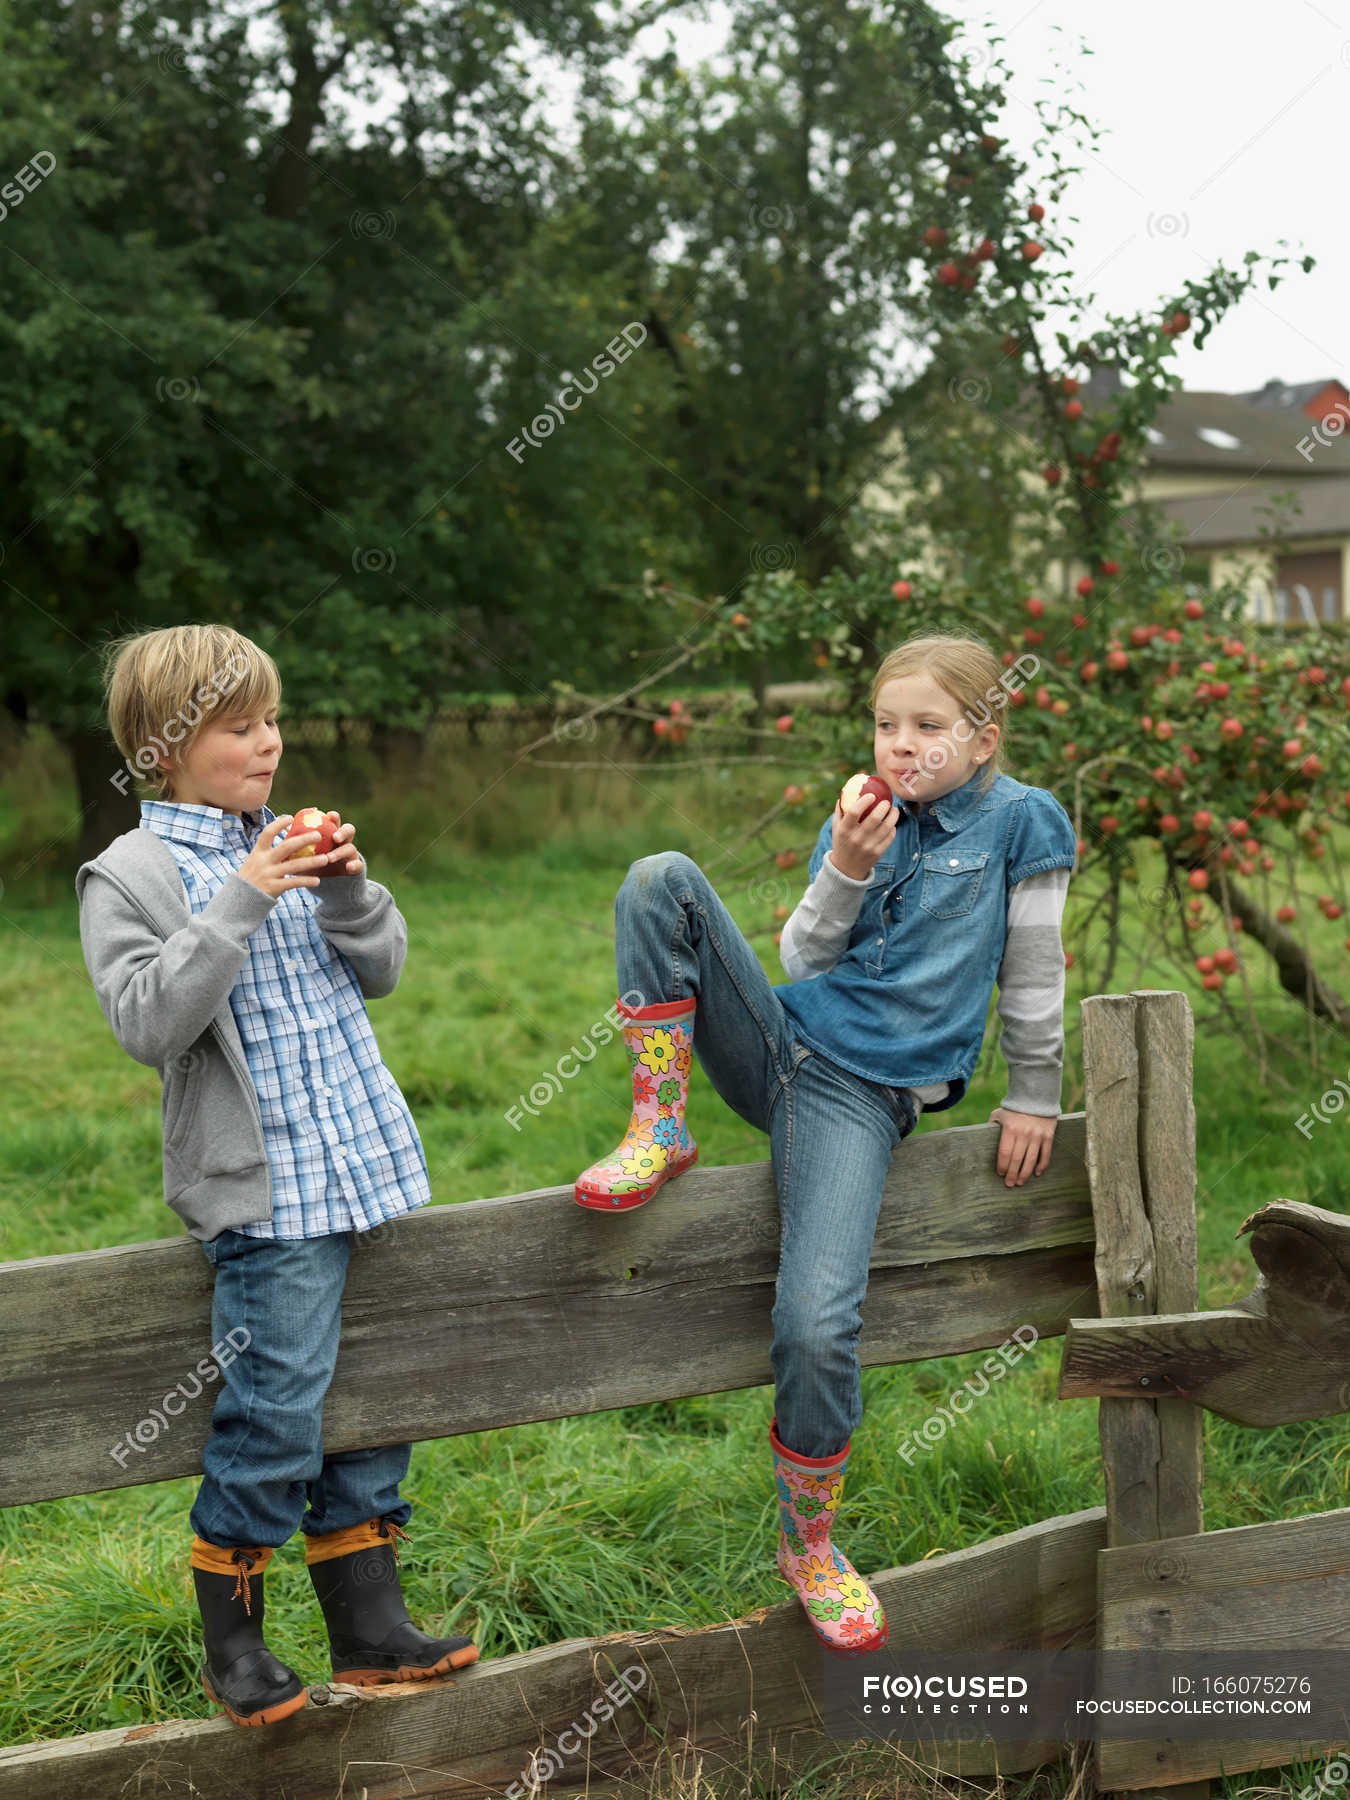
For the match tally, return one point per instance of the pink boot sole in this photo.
(602, 1202)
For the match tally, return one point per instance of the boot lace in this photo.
(388, 1529)
(243, 1561)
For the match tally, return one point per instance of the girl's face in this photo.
(924, 744)
(230, 763)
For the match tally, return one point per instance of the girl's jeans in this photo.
(264, 1459)
(832, 1133)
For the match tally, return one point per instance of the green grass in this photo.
(649, 1516)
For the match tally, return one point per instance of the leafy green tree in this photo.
(253, 369)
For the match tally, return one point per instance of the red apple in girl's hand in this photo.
(859, 788)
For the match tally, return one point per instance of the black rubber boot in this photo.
(370, 1634)
(240, 1673)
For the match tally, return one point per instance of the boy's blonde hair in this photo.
(967, 669)
(161, 687)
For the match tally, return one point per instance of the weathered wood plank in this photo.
(1280, 1353)
(1165, 1032)
(1140, 1122)
(1128, 1429)
(497, 1312)
(1032, 1588)
(1279, 1586)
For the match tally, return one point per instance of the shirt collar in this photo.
(955, 808)
(207, 827)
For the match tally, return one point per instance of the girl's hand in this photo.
(1024, 1148)
(857, 844)
(343, 858)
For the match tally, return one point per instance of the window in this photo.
(1308, 587)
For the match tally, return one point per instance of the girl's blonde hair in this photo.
(161, 687)
(967, 669)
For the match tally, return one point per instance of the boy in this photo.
(240, 971)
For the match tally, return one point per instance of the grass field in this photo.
(654, 1515)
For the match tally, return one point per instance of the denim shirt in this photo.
(907, 1002)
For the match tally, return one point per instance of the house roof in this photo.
(1250, 434)
(1267, 437)
(1210, 520)
(1294, 395)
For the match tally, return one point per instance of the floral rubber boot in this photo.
(660, 1045)
(844, 1613)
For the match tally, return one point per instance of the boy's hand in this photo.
(343, 858)
(1024, 1148)
(266, 865)
(858, 844)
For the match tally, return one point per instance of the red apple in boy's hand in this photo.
(863, 788)
(309, 818)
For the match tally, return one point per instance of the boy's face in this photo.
(924, 744)
(230, 763)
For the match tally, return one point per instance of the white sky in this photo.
(1224, 130)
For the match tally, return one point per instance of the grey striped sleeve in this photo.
(817, 934)
(1031, 994)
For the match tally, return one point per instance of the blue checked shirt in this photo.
(341, 1144)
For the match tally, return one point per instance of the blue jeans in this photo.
(264, 1459)
(831, 1133)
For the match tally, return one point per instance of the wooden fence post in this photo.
(1140, 1120)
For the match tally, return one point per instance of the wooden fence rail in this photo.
(498, 1312)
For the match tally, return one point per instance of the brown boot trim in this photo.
(365, 1536)
(218, 1559)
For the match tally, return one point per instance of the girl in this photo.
(912, 913)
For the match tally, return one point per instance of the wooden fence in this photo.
(497, 1312)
